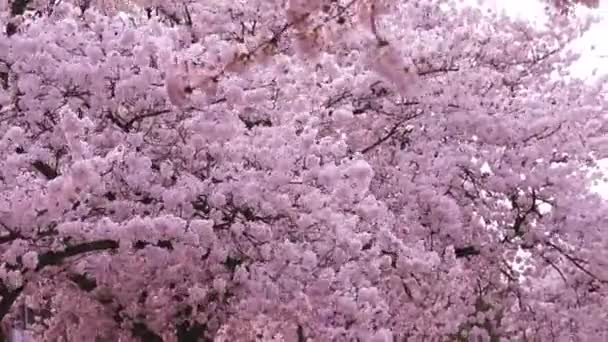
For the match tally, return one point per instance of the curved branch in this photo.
(52, 258)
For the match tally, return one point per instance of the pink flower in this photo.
(176, 85)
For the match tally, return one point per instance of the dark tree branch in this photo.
(129, 124)
(8, 238)
(250, 123)
(576, 262)
(141, 331)
(8, 298)
(442, 70)
(165, 244)
(47, 171)
(301, 336)
(83, 282)
(53, 258)
(84, 5)
(388, 135)
(467, 251)
(187, 332)
(18, 7)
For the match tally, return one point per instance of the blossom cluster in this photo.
(299, 171)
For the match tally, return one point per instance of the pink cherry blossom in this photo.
(298, 171)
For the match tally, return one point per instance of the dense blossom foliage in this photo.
(566, 6)
(305, 170)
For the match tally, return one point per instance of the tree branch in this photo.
(463, 252)
(48, 172)
(8, 298)
(53, 258)
(576, 263)
(388, 135)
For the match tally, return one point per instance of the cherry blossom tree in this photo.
(299, 170)
(565, 6)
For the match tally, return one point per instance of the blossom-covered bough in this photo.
(299, 170)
